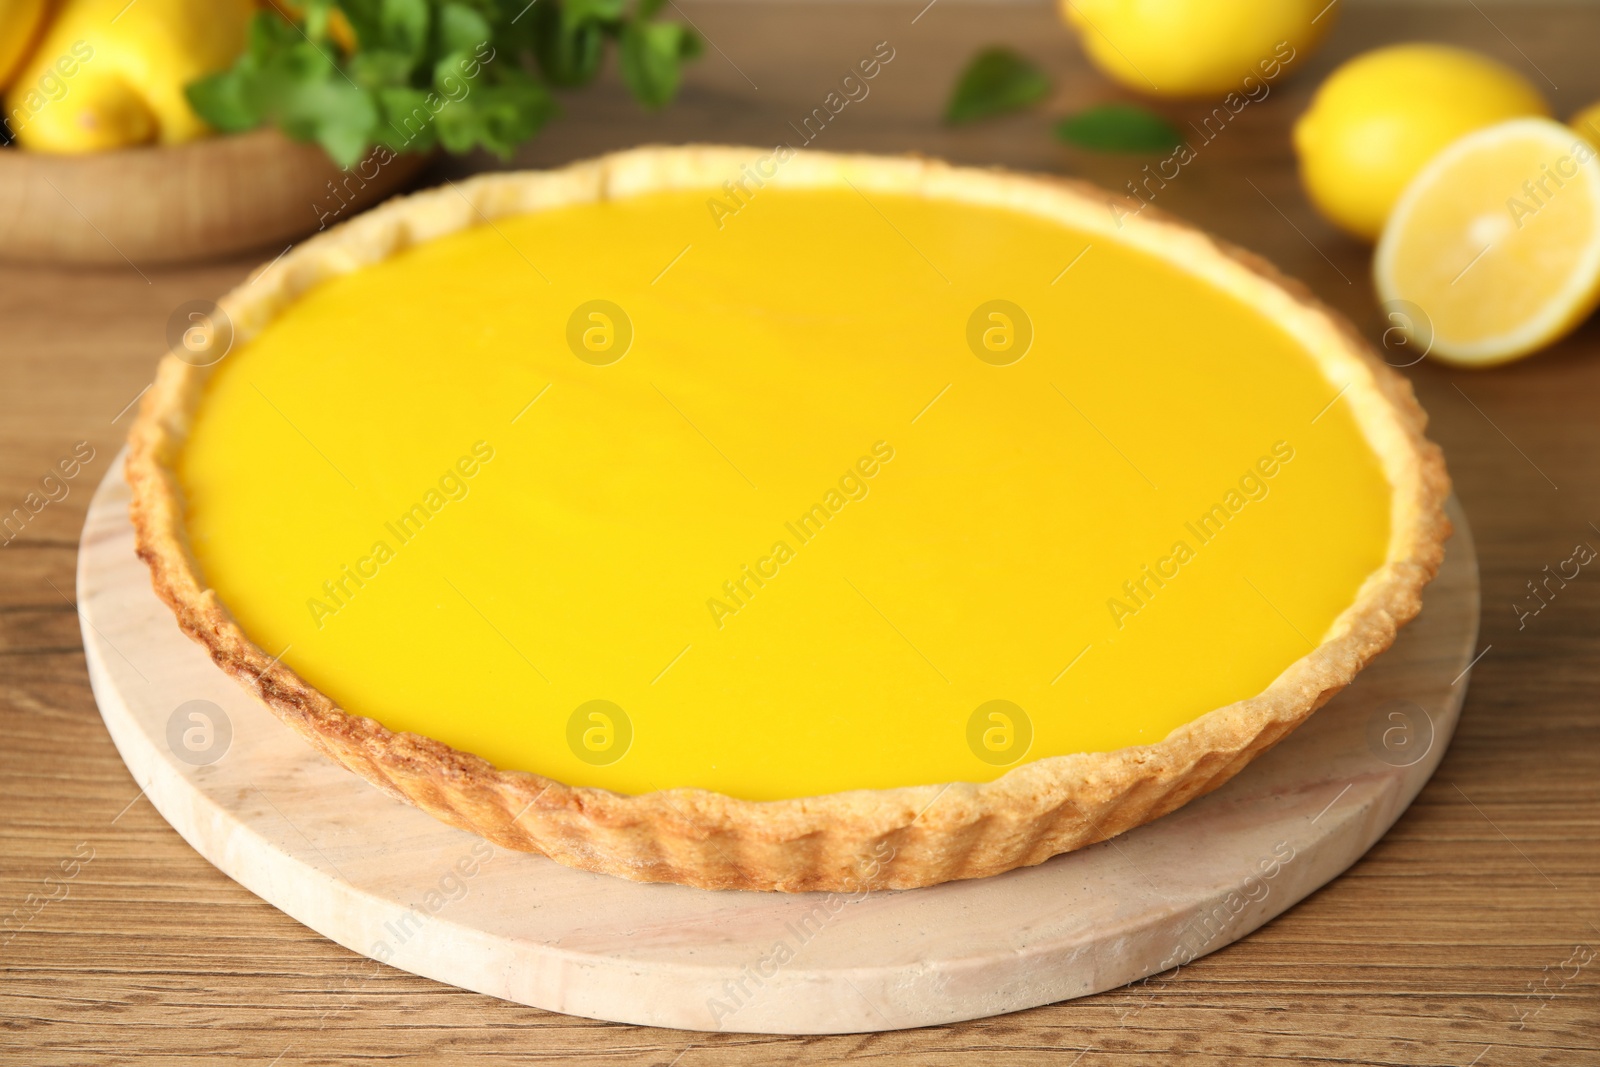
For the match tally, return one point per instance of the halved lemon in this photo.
(1493, 250)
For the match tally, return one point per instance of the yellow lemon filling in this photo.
(828, 493)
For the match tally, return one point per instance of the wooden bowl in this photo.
(204, 200)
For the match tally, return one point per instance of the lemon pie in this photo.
(774, 520)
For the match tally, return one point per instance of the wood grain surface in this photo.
(1460, 939)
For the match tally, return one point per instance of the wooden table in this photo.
(1452, 943)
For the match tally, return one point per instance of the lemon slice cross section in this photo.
(1493, 250)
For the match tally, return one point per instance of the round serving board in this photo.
(388, 881)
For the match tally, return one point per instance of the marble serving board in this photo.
(389, 882)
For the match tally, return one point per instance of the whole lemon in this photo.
(109, 74)
(1380, 117)
(20, 24)
(1587, 122)
(1196, 47)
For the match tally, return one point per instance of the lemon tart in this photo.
(774, 520)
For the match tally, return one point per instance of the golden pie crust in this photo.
(866, 839)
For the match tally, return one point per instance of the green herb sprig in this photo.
(998, 80)
(1119, 128)
(429, 73)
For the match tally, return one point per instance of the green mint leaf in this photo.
(652, 55)
(428, 73)
(567, 54)
(373, 68)
(222, 101)
(1119, 128)
(406, 123)
(334, 113)
(460, 127)
(576, 12)
(461, 29)
(511, 113)
(366, 18)
(403, 26)
(345, 141)
(315, 20)
(268, 35)
(997, 80)
(449, 78)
